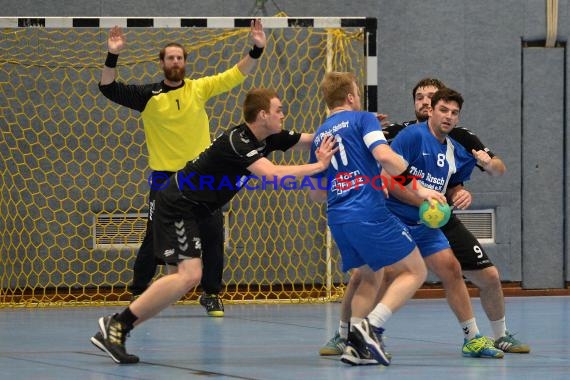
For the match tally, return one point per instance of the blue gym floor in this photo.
(279, 342)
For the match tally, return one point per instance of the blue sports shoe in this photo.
(481, 347)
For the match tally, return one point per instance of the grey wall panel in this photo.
(492, 86)
(506, 252)
(33, 8)
(542, 196)
(567, 183)
(190, 8)
(534, 21)
(412, 47)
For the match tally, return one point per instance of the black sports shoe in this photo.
(111, 340)
(213, 304)
(372, 336)
(356, 352)
(379, 331)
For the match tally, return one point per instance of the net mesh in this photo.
(74, 165)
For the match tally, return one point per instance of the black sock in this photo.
(127, 318)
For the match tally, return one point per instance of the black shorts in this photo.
(465, 246)
(175, 228)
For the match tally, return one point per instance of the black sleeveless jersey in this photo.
(218, 173)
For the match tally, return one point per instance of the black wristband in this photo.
(407, 176)
(255, 52)
(111, 60)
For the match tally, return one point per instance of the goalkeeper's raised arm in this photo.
(115, 43)
(247, 63)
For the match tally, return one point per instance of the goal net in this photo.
(74, 169)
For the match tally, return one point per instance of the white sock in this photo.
(470, 329)
(499, 328)
(354, 321)
(343, 329)
(380, 315)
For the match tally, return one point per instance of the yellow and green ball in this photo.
(434, 215)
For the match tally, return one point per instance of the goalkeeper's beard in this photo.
(421, 116)
(175, 74)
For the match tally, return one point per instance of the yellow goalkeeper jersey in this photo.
(175, 121)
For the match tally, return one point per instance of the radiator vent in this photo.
(481, 223)
(118, 231)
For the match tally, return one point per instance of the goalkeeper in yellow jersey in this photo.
(177, 129)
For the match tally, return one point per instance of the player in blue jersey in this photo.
(475, 264)
(439, 162)
(369, 237)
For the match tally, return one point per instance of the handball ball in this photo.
(434, 215)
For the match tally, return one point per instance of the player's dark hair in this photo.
(447, 95)
(162, 52)
(427, 82)
(257, 100)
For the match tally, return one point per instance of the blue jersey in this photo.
(433, 163)
(349, 197)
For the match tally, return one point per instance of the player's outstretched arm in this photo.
(304, 143)
(395, 189)
(396, 167)
(247, 63)
(415, 195)
(265, 168)
(115, 43)
(493, 166)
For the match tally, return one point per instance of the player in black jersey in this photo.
(203, 186)
(176, 126)
(476, 265)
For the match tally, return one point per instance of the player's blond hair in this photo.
(336, 86)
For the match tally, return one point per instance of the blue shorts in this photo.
(376, 244)
(429, 240)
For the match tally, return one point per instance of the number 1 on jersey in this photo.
(342, 153)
